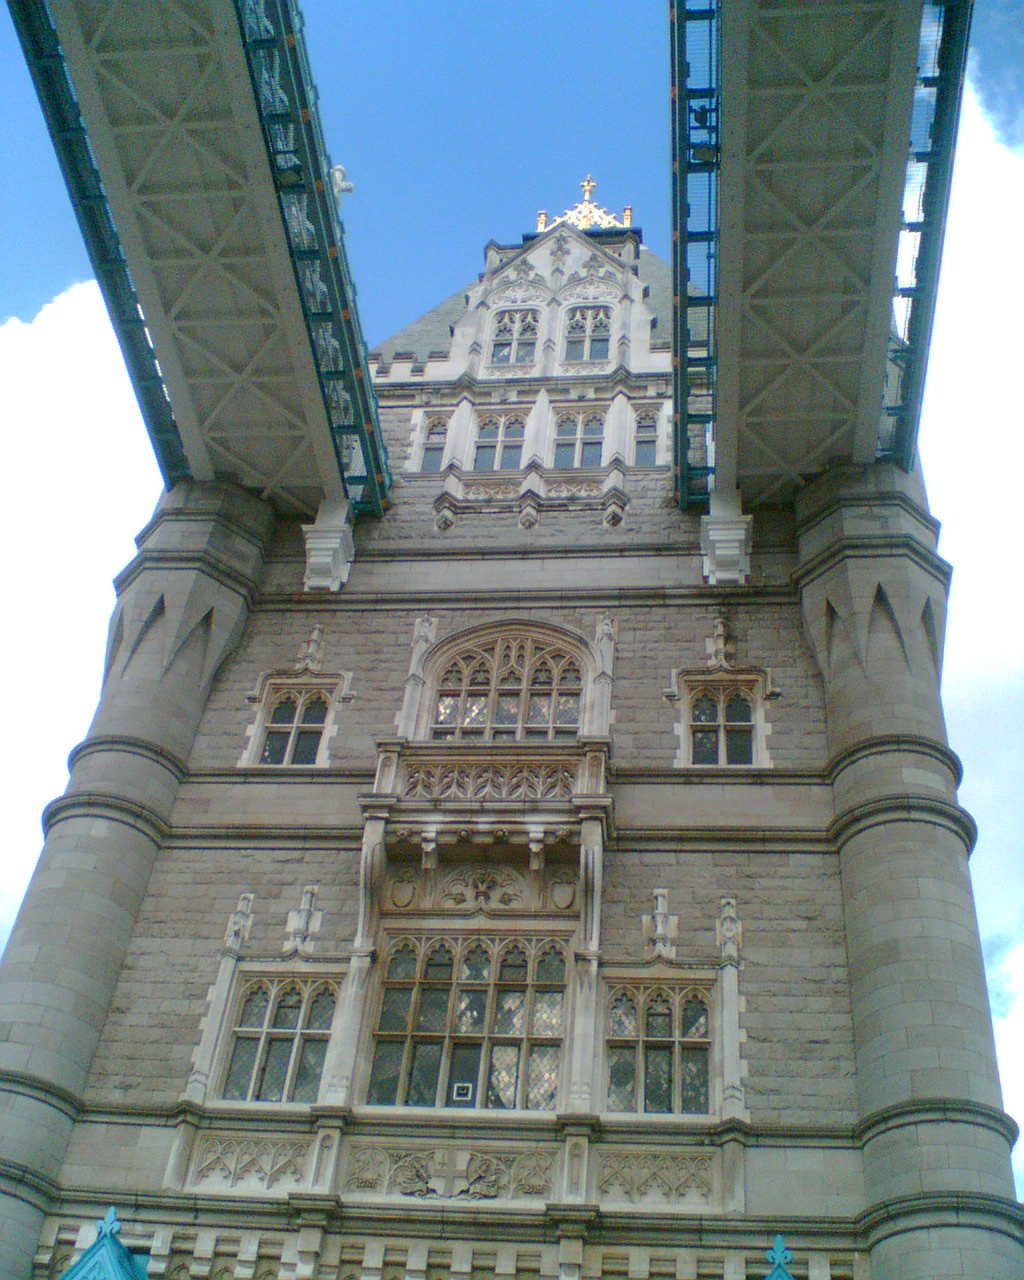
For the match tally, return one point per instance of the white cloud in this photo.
(972, 443)
(80, 480)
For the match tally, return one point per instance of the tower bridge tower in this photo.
(517, 836)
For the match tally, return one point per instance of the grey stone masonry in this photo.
(936, 1142)
(181, 606)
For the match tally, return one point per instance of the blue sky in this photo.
(451, 144)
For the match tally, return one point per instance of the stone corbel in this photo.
(613, 495)
(330, 549)
(725, 540)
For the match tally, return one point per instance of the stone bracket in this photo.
(330, 549)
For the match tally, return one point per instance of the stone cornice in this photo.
(872, 547)
(931, 1210)
(904, 808)
(26, 1085)
(221, 570)
(851, 501)
(900, 742)
(101, 804)
(936, 1111)
(104, 742)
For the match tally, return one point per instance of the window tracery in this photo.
(434, 440)
(645, 448)
(294, 728)
(515, 337)
(722, 726)
(470, 1022)
(499, 442)
(579, 438)
(658, 1047)
(587, 334)
(279, 1040)
(509, 689)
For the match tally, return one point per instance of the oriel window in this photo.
(471, 1022)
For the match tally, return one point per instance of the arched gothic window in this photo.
(434, 441)
(280, 1041)
(294, 729)
(588, 333)
(508, 689)
(515, 337)
(499, 442)
(645, 453)
(658, 1047)
(721, 726)
(579, 438)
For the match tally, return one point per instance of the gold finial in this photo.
(586, 213)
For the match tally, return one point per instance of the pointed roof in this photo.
(431, 333)
(107, 1258)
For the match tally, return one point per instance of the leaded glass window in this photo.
(579, 438)
(279, 1041)
(515, 337)
(499, 442)
(294, 728)
(509, 690)
(658, 1047)
(470, 1022)
(646, 444)
(721, 727)
(588, 332)
(434, 441)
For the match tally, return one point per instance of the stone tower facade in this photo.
(530, 907)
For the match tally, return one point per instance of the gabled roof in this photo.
(431, 333)
(107, 1258)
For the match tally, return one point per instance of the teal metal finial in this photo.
(779, 1255)
(108, 1225)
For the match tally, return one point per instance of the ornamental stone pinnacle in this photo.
(586, 213)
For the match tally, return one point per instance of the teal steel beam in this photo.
(694, 53)
(942, 62)
(285, 96)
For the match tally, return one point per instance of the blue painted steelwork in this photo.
(42, 50)
(694, 43)
(780, 1256)
(107, 1258)
(942, 60)
(286, 99)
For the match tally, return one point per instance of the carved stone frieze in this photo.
(639, 1176)
(489, 781)
(224, 1163)
(477, 887)
(575, 489)
(450, 1173)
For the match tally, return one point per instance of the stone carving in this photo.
(574, 489)
(489, 492)
(562, 889)
(227, 1162)
(303, 925)
(660, 930)
(484, 889)
(590, 290)
(240, 923)
(518, 292)
(451, 1173)
(729, 931)
(641, 1176)
(309, 655)
(489, 782)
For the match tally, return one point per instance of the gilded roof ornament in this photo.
(586, 214)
